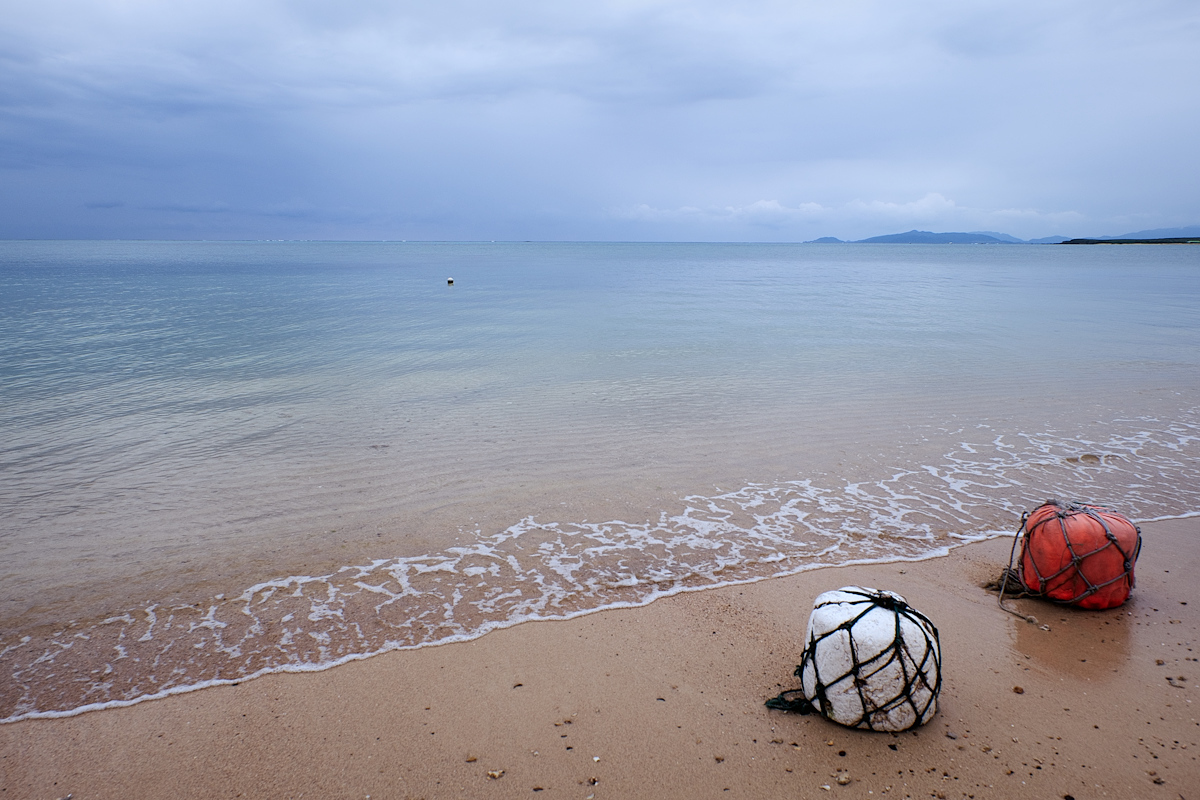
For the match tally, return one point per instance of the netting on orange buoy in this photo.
(1079, 554)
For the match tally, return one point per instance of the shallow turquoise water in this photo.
(270, 434)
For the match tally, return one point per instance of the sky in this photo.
(632, 120)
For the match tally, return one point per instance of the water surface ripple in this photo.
(221, 460)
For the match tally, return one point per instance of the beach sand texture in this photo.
(666, 701)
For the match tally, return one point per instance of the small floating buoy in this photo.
(449, 281)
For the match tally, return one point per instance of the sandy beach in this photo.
(666, 701)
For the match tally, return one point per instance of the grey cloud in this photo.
(538, 119)
(194, 208)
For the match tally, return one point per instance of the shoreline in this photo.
(302, 669)
(665, 700)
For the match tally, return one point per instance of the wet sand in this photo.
(666, 701)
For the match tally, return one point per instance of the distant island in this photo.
(1169, 240)
(929, 237)
(1188, 235)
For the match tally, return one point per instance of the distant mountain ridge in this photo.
(1159, 233)
(929, 237)
(994, 237)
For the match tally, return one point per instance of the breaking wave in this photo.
(555, 569)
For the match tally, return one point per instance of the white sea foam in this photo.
(558, 569)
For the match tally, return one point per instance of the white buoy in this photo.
(871, 660)
(449, 281)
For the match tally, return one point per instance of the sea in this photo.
(220, 460)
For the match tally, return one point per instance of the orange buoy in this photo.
(1079, 554)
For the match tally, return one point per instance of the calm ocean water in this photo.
(224, 459)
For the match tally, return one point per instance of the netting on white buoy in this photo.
(871, 661)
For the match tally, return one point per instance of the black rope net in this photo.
(1074, 553)
(872, 661)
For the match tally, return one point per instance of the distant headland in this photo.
(1169, 240)
(1188, 235)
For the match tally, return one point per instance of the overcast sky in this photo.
(636, 120)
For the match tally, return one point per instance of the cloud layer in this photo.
(610, 120)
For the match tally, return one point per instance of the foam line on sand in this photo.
(666, 701)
